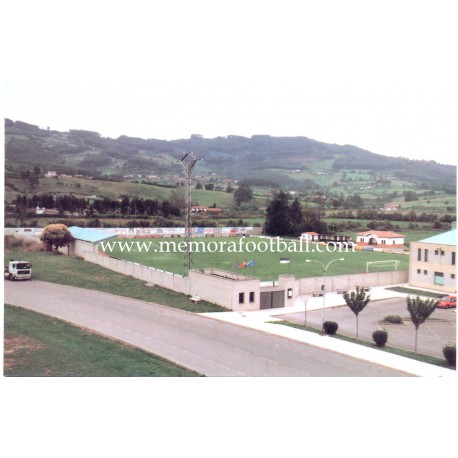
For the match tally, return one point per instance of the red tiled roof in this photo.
(386, 234)
(311, 233)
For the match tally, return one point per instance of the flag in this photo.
(250, 263)
(284, 260)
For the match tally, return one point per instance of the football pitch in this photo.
(267, 265)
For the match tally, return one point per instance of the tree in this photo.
(198, 185)
(357, 300)
(242, 194)
(420, 310)
(209, 186)
(56, 235)
(297, 217)
(278, 220)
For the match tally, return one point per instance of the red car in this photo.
(447, 302)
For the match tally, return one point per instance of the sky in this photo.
(378, 75)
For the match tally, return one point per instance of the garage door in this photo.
(272, 299)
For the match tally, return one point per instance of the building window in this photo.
(436, 252)
(418, 271)
(438, 278)
(241, 298)
(453, 276)
(419, 254)
(251, 296)
(290, 293)
(426, 255)
(425, 272)
(453, 258)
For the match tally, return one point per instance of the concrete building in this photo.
(380, 238)
(433, 262)
(310, 236)
(86, 239)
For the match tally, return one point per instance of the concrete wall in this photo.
(157, 277)
(346, 282)
(223, 288)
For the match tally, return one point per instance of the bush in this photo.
(22, 243)
(449, 352)
(380, 337)
(395, 319)
(330, 327)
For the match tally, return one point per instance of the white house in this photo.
(310, 236)
(381, 238)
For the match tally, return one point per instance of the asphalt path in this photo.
(200, 343)
(437, 331)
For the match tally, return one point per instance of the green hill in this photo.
(293, 163)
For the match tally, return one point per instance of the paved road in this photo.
(206, 345)
(432, 335)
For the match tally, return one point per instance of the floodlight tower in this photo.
(188, 161)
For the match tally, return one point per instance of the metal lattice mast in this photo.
(188, 161)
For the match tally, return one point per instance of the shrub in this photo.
(395, 319)
(330, 327)
(449, 352)
(22, 243)
(380, 337)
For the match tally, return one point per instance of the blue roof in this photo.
(90, 235)
(446, 238)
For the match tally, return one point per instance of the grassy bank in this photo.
(37, 345)
(72, 271)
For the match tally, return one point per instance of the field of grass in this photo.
(267, 264)
(37, 345)
(72, 271)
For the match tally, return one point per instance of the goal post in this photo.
(393, 262)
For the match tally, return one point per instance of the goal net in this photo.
(382, 265)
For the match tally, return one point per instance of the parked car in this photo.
(447, 302)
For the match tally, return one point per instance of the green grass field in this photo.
(267, 264)
(37, 345)
(72, 271)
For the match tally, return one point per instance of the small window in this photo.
(426, 255)
(436, 252)
(425, 272)
(419, 254)
(452, 275)
(418, 271)
(290, 293)
(438, 278)
(251, 296)
(453, 258)
(241, 298)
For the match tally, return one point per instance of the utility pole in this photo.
(188, 161)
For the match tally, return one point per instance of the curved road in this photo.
(201, 343)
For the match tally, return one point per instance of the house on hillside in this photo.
(432, 262)
(380, 238)
(198, 208)
(213, 210)
(51, 174)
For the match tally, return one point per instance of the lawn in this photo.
(37, 345)
(267, 264)
(72, 271)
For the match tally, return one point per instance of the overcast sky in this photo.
(378, 75)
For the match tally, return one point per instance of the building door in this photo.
(272, 299)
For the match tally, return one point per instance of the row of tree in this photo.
(391, 216)
(126, 206)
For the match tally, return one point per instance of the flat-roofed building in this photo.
(433, 262)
